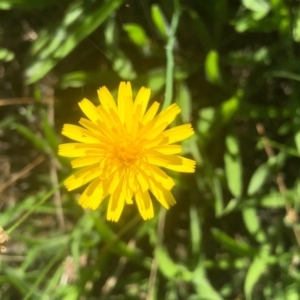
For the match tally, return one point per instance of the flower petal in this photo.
(150, 114)
(115, 178)
(124, 94)
(141, 101)
(70, 150)
(172, 162)
(128, 193)
(161, 177)
(179, 133)
(168, 115)
(164, 196)
(160, 122)
(106, 99)
(104, 133)
(144, 205)
(89, 109)
(78, 134)
(116, 205)
(168, 149)
(82, 177)
(93, 195)
(85, 161)
(142, 180)
(128, 113)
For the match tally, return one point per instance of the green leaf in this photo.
(285, 74)
(195, 232)
(25, 4)
(212, 70)
(258, 178)
(6, 55)
(201, 30)
(159, 20)
(231, 206)
(56, 43)
(230, 106)
(296, 29)
(43, 273)
(202, 285)
(207, 118)
(232, 145)
(155, 79)
(7, 121)
(69, 293)
(260, 8)
(49, 133)
(136, 33)
(37, 141)
(184, 100)
(297, 140)
(240, 248)
(165, 264)
(220, 19)
(16, 278)
(52, 283)
(256, 270)
(81, 78)
(123, 67)
(115, 244)
(233, 167)
(292, 291)
(12, 213)
(273, 200)
(218, 195)
(252, 224)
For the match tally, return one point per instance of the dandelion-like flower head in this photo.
(120, 149)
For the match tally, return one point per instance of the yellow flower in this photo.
(121, 149)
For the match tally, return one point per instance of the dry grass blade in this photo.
(18, 101)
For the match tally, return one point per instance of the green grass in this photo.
(233, 67)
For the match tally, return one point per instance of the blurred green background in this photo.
(233, 67)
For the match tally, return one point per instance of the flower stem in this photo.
(170, 56)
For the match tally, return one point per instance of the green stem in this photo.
(170, 56)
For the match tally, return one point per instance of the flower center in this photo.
(126, 149)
